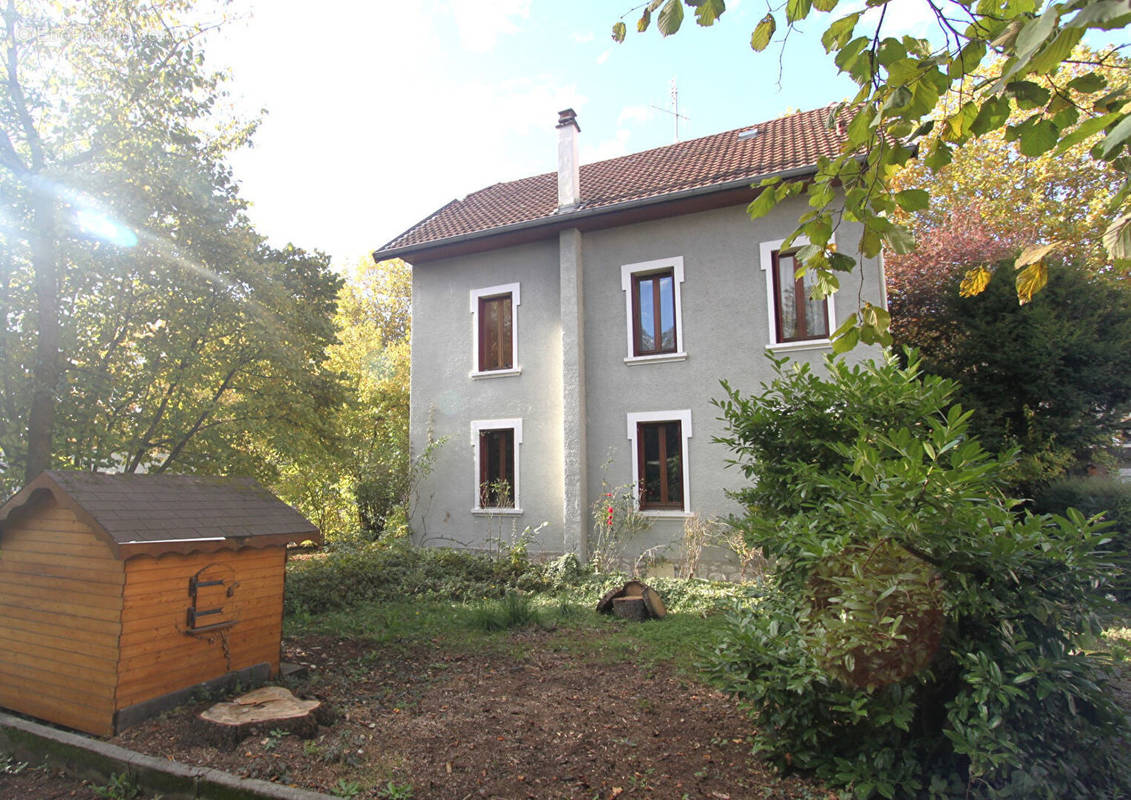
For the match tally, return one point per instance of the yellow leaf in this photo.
(974, 282)
(1034, 253)
(1030, 281)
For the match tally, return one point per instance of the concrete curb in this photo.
(95, 760)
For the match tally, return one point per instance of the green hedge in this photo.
(1091, 496)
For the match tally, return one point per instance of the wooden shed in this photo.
(119, 593)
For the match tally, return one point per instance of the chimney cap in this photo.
(568, 117)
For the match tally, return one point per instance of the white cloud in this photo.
(635, 114)
(601, 59)
(585, 37)
(606, 148)
(900, 19)
(481, 24)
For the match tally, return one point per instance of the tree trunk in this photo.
(45, 369)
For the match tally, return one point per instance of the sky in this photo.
(375, 114)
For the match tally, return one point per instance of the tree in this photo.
(918, 282)
(917, 637)
(83, 88)
(1061, 196)
(902, 82)
(1052, 377)
(356, 482)
(145, 322)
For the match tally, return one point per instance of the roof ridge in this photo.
(634, 154)
(797, 141)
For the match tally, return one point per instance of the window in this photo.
(797, 321)
(659, 443)
(653, 310)
(797, 314)
(653, 313)
(494, 313)
(495, 444)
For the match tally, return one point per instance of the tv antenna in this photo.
(674, 110)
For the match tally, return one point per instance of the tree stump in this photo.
(258, 713)
(630, 608)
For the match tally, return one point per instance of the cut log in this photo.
(633, 589)
(653, 604)
(605, 604)
(630, 608)
(258, 713)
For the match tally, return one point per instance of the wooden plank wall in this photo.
(60, 620)
(158, 656)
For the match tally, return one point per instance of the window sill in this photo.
(809, 344)
(662, 358)
(497, 512)
(496, 373)
(671, 514)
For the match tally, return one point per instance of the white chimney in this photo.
(569, 170)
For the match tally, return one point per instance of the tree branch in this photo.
(202, 417)
(16, 92)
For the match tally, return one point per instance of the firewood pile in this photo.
(634, 601)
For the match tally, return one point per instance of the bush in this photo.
(346, 578)
(920, 637)
(1092, 496)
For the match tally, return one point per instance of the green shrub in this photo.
(348, 577)
(1092, 496)
(919, 637)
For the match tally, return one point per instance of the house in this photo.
(570, 330)
(120, 594)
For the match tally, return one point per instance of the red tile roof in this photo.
(787, 143)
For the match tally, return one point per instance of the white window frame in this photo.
(493, 291)
(478, 426)
(675, 263)
(683, 416)
(766, 254)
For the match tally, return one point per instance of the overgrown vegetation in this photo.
(1052, 377)
(348, 578)
(616, 522)
(1093, 495)
(514, 610)
(921, 637)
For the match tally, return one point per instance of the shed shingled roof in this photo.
(133, 509)
(782, 144)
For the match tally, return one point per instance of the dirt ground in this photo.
(32, 783)
(532, 719)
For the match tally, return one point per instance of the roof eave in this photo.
(567, 219)
(156, 549)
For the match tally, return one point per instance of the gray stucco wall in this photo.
(725, 321)
(445, 399)
(725, 325)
